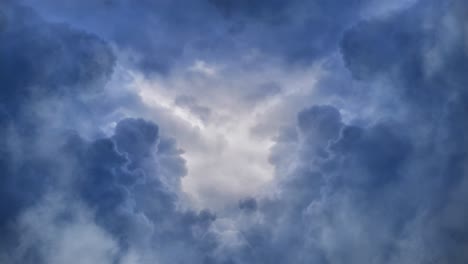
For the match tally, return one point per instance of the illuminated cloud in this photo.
(233, 131)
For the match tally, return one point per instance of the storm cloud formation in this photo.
(294, 31)
(392, 190)
(39, 61)
(378, 177)
(102, 187)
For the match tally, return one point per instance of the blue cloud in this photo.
(38, 60)
(389, 189)
(386, 191)
(41, 61)
(297, 32)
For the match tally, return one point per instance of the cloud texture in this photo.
(369, 162)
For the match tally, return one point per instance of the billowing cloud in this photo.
(389, 190)
(62, 195)
(38, 61)
(227, 131)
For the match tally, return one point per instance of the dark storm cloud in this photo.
(388, 191)
(40, 58)
(37, 60)
(160, 34)
(248, 204)
(391, 190)
(129, 181)
(427, 53)
(123, 192)
(428, 75)
(297, 31)
(136, 137)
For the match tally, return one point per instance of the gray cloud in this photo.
(296, 32)
(385, 191)
(190, 103)
(388, 189)
(121, 190)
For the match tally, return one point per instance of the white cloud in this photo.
(227, 155)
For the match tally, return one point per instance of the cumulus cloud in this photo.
(117, 194)
(382, 191)
(315, 132)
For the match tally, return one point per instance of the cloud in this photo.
(69, 57)
(189, 102)
(38, 61)
(63, 195)
(378, 177)
(130, 199)
(177, 33)
(383, 190)
(59, 231)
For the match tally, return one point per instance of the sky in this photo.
(233, 131)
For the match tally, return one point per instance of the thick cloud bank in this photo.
(157, 35)
(63, 196)
(375, 174)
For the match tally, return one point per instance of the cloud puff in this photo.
(131, 201)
